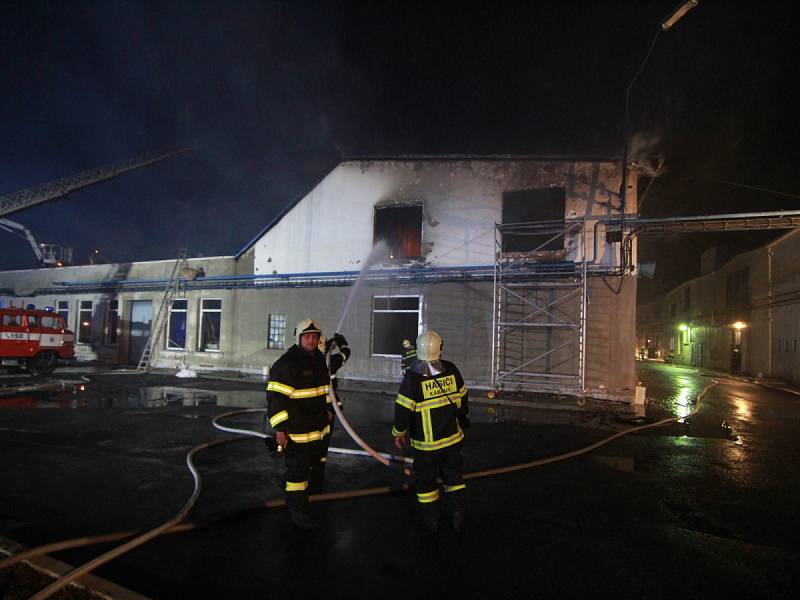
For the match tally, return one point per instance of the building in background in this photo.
(739, 317)
(506, 257)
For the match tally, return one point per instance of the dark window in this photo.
(210, 320)
(672, 309)
(394, 319)
(12, 320)
(687, 298)
(176, 339)
(534, 206)
(737, 287)
(276, 331)
(400, 228)
(112, 322)
(63, 310)
(85, 321)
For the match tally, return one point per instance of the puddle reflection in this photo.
(91, 395)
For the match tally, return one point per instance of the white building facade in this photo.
(428, 226)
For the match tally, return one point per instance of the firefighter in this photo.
(408, 355)
(300, 411)
(337, 352)
(431, 408)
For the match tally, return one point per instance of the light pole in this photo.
(666, 24)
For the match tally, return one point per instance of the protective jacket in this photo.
(408, 357)
(429, 408)
(297, 395)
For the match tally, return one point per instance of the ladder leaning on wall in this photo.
(158, 323)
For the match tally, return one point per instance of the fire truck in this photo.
(34, 339)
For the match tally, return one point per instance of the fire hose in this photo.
(175, 525)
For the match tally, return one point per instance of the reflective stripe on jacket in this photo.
(427, 407)
(297, 395)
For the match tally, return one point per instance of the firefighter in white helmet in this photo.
(299, 410)
(431, 408)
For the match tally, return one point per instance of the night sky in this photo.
(275, 93)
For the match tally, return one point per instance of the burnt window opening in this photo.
(531, 206)
(400, 228)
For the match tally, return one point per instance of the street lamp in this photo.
(666, 24)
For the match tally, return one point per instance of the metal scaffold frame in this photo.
(540, 343)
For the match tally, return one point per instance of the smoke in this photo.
(644, 149)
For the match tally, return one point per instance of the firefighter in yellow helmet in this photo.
(408, 355)
(431, 408)
(299, 409)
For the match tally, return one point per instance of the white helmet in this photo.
(306, 326)
(429, 346)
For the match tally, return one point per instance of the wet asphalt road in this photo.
(689, 509)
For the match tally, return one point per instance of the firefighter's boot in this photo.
(429, 513)
(458, 511)
(297, 502)
(316, 477)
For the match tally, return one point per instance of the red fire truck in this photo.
(34, 339)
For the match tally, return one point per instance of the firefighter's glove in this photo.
(272, 446)
(464, 421)
(339, 339)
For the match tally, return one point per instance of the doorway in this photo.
(141, 317)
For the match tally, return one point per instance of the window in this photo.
(85, 321)
(112, 322)
(394, 318)
(53, 322)
(63, 310)
(210, 320)
(672, 309)
(276, 331)
(400, 228)
(12, 321)
(530, 206)
(687, 298)
(737, 288)
(176, 329)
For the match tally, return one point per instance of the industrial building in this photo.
(741, 316)
(508, 258)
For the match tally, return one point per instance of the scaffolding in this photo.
(540, 301)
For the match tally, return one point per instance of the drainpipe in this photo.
(769, 311)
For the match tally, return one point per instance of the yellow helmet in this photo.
(306, 326)
(429, 346)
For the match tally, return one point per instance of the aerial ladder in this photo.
(61, 187)
(49, 255)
